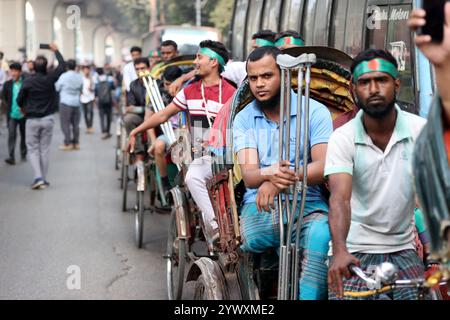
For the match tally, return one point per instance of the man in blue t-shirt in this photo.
(256, 135)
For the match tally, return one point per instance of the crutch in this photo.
(290, 252)
(153, 93)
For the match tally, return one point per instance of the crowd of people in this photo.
(33, 91)
(371, 215)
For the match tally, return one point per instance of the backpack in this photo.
(104, 92)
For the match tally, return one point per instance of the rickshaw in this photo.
(229, 273)
(146, 175)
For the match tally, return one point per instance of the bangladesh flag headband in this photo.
(213, 55)
(155, 53)
(264, 43)
(289, 40)
(375, 65)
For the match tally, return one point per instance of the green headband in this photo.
(213, 55)
(264, 43)
(152, 53)
(375, 65)
(289, 40)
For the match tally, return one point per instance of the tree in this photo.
(222, 15)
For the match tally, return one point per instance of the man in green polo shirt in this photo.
(368, 166)
(15, 116)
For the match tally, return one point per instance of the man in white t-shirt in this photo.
(368, 166)
(129, 72)
(87, 98)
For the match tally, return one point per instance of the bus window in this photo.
(355, 26)
(308, 17)
(399, 43)
(393, 34)
(292, 15)
(337, 36)
(239, 28)
(253, 23)
(271, 15)
(322, 22)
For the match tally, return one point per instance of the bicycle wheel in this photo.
(139, 220)
(176, 261)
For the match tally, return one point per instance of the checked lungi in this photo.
(409, 264)
(261, 231)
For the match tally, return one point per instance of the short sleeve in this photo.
(321, 126)
(243, 134)
(340, 154)
(180, 100)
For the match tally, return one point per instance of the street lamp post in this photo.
(199, 4)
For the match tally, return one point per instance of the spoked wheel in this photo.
(200, 292)
(176, 260)
(124, 186)
(123, 169)
(118, 154)
(139, 219)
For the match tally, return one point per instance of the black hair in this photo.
(268, 35)
(71, 64)
(289, 33)
(40, 64)
(1, 55)
(172, 73)
(261, 52)
(100, 71)
(218, 48)
(142, 60)
(371, 54)
(15, 66)
(136, 49)
(169, 43)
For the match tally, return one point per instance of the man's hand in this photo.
(339, 269)
(175, 87)
(437, 53)
(265, 199)
(131, 142)
(53, 47)
(280, 175)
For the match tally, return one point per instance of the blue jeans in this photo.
(260, 232)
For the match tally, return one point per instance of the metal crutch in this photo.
(289, 252)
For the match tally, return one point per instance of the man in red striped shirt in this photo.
(202, 100)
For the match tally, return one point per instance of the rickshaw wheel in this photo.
(176, 260)
(123, 167)
(139, 220)
(118, 154)
(200, 293)
(124, 187)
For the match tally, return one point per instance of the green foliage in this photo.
(136, 14)
(216, 13)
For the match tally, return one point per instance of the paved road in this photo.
(77, 221)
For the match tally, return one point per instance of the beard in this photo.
(379, 111)
(271, 104)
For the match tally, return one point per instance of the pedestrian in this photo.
(129, 73)
(15, 117)
(70, 86)
(87, 98)
(3, 78)
(104, 101)
(37, 98)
